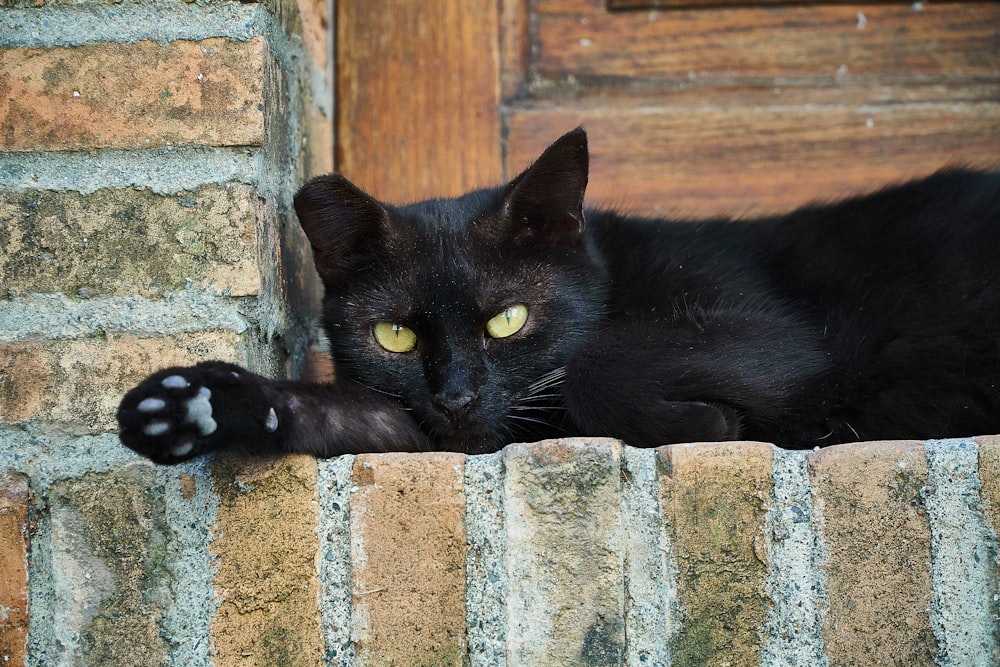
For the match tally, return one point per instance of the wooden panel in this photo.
(418, 96)
(704, 160)
(615, 5)
(581, 39)
(514, 47)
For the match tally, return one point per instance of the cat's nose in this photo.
(456, 405)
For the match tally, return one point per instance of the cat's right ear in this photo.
(344, 225)
(545, 202)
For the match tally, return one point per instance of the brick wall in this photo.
(556, 553)
(148, 155)
(148, 152)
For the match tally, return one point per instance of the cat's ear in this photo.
(344, 225)
(545, 202)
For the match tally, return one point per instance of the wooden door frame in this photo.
(418, 93)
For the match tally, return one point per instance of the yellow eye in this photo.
(508, 322)
(394, 337)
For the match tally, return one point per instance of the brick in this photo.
(15, 526)
(265, 543)
(130, 241)
(714, 499)
(79, 383)
(565, 557)
(869, 500)
(317, 153)
(408, 559)
(315, 18)
(111, 581)
(989, 478)
(112, 95)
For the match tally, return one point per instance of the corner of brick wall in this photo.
(149, 152)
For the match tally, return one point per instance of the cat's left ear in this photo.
(345, 225)
(545, 202)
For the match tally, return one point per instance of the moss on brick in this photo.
(565, 565)
(564, 477)
(129, 241)
(266, 545)
(122, 518)
(714, 500)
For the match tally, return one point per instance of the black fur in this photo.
(873, 318)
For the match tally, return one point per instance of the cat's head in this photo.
(464, 308)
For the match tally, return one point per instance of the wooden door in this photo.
(692, 106)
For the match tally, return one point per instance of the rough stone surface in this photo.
(408, 560)
(796, 583)
(129, 241)
(141, 95)
(79, 383)
(149, 150)
(165, 171)
(486, 561)
(72, 23)
(963, 557)
(714, 501)
(870, 508)
(334, 532)
(564, 553)
(111, 550)
(265, 544)
(317, 153)
(37, 317)
(15, 528)
(191, 504)
(651, 613)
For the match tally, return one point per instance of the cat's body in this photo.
(513, 319)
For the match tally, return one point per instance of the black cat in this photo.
(513, 314)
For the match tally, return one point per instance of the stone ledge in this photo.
(579, 551)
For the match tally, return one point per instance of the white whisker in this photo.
(530, 419)
(539, 397)
(547, 381)
(537, 408)
(378, 391)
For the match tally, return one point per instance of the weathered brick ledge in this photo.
(564, 552)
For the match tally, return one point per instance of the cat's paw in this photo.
(171, 416)
(657, 421)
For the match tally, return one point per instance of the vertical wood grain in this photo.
(515, 48)
(418, 93)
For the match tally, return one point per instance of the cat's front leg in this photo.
(183, 412)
